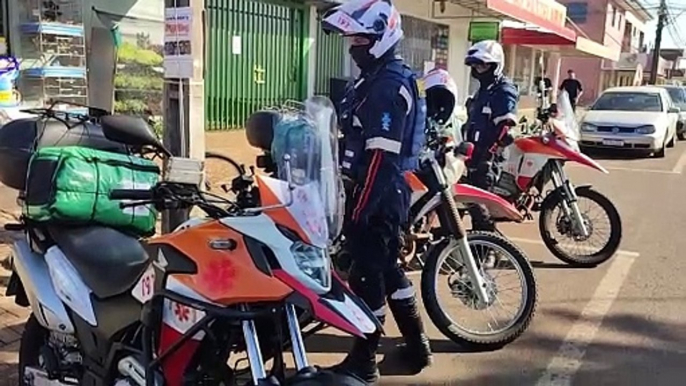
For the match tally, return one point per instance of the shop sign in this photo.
(178, 60)
(532, 11)
(484, 30)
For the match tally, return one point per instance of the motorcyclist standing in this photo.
(492, 112)
(382, 118)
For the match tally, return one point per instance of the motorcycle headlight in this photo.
(587, 127)
(647, 129)
(313, 262)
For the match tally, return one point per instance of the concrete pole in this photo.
(557, 67)
(512, 61)
(184, 105)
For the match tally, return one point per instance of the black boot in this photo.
(416, 352)
(361, 360)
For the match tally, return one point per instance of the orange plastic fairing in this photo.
(413, 181)
(224, 276)
(280, 216)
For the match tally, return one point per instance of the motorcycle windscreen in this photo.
(305, 149)
(567, 122)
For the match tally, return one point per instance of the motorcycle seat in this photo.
(108, 261)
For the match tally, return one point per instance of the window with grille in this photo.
(425, 44)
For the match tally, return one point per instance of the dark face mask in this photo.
(485, 78)
(362, 57)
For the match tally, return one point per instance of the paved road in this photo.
(623, 323)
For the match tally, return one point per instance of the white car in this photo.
(641, 118)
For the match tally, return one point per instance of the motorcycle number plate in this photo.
(145, 287)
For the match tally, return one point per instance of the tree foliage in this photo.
(139, 79)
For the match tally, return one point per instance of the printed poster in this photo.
(178, 58)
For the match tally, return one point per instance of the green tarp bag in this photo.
(71, 185)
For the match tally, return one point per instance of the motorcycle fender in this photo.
(33, 273)
(497, 207)
(338, 308)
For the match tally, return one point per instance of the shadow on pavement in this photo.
(329, 343)
(612, 154)
(651, 353)
(546, 265)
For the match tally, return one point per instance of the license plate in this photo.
(613, 142)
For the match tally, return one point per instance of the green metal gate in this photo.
(257, 57)
(330, 56)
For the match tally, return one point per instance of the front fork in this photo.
(252, 344)
(458, 230)
(570, 205)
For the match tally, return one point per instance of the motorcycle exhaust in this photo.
(35, 278)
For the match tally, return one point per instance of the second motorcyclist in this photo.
(492, 112)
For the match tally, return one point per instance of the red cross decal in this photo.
(182, 312)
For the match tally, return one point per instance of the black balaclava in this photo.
(367, 62)
(487, 77)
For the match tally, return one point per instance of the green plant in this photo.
(139, 79)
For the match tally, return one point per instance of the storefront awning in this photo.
(565, 46)
(548, 14)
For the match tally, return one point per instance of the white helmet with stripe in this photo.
(376, 19)
(441, 95)
(486, 52)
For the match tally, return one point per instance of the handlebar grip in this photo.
(130, 194)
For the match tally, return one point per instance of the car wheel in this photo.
(661, 152)
(681, 136)
(672, 141)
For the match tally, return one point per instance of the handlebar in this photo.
(131, 194)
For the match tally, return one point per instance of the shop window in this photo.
(425, 44)
(522, 76)
(577, 12)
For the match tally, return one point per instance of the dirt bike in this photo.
(475, 256)
(537, 158)
(177, 309)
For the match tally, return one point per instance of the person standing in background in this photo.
(573, 88)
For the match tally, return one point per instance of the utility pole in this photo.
(661, 21)
(184, 87)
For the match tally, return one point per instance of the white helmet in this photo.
(486, 52)
(441, 95)
(377, 19)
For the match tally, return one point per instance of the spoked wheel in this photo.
(602, 222)
(220, 171)
(453, 306)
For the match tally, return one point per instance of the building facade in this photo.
(616, 24)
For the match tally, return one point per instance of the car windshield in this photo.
(628, 101)
(678, 96)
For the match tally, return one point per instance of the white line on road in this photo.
(539, 242)
(679, 167)
(568, 359)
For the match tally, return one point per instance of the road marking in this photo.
(539, 242)
(624, 169)
(568, 359)
(679, 167)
